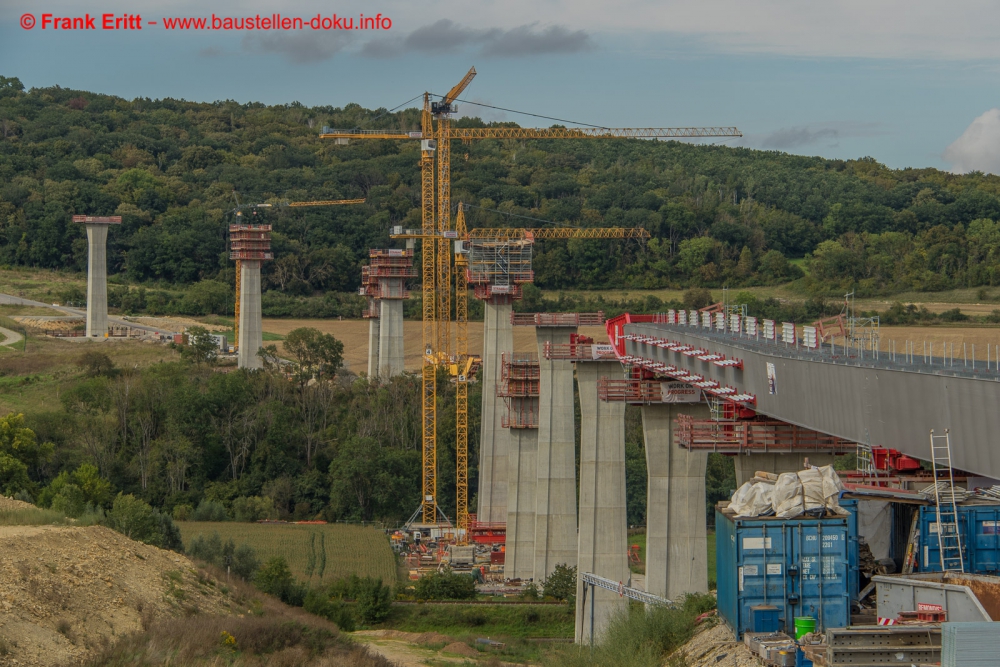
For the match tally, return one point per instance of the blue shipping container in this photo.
(800, 565)
(979, 528)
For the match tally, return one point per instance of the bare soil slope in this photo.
(65, 591)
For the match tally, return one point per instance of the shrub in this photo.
(240, 560)
(374, 601)
(182, 512)
(319, 603)
(210, 510)
(70, 501)
(135, 519)
(253, 508)
(245, 562)
(276, 579)
(561, 584)
(445, 585)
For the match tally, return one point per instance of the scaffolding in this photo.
(250, 242)
(557, 319)
(757, 436)
(499, 266)
(520, 375)
(860, 332)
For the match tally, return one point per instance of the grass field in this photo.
(333, 550)
(495, 620)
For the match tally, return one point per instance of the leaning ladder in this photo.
(949, 539)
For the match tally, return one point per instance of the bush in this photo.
(240, 560)
(182, 512)
(253, 508)
(135, 519)
(561, 584)
(70, 501)
(445, 585)
(276, 579)
(319, 603)
(95, 489)
(245, 562)
(374, 601)
(210, 510)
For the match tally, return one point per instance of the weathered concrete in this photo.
(676, 538)
(373, 336)
(251, 331)
(748, 464)
(97, 280)
(555, 492)
(498, 337)
(603, 529)
(521, 471)
(390, 338)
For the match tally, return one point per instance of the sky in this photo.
(911, 83)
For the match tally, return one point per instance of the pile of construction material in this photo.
(791, 494)
(991, 493)
(946, 492)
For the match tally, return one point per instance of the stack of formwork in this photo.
(384, 283)
(519, 388)
(250, 245)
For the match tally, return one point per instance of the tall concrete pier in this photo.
(494, 443)
(383, 281)
(97, 271)
(676, 539)
(603, 520)
(251, 337)
(250, 245)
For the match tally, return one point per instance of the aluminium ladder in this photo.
(946, 519)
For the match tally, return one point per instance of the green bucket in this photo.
(804, 625)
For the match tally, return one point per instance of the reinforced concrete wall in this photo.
(555, 491)
(251, 334)
(521, 470)
(603, 521)
(676, 536)
(373, 331)
(390, 338)
(498, 337)
(97, 280)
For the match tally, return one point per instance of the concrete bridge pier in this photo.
(390, 338)
(498, 337)
(603, 527)
(373, 334)
(676, 536)
(521, 487)
(251, 332)
(555, 538)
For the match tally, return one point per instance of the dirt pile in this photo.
(48, 323)
(7, 504)
(176, 323)
(713, 646)
(66, 591)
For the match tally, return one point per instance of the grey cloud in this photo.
(446, 36)
(304, 47)
(525, 40)
(791, 138)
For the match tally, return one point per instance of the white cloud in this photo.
(978, 149)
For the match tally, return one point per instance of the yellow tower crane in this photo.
(436, 233)
(238, 212)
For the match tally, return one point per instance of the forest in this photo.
(717, 215)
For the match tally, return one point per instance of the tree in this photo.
(135, 519)
(274, 578)
(561, 584)
(96, 363)
(318, 355)
(202, 347)
(19, 443)
(374, 600)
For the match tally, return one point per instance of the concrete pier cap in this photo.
(97, 271)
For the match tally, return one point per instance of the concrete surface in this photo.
(555, 539)
(97, 280)
(603, 528)
(251, 333)
(676, 536)
(522, 460)
(373, 333)
(748, 464)
(390, 338)
(498, 337)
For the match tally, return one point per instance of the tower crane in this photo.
(436, 233)
(238, 212)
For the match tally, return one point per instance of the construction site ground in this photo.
(714, 646)
(66, 591)
(411, 649)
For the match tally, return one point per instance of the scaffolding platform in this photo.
(756, 436)
(557, 319)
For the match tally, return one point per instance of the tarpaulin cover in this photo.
(793, 494)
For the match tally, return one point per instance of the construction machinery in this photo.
(238, 212)
(436, 234)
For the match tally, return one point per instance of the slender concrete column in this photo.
(390, 338)
(97, 280)
(748, 464)
(251, 332)
(373, 338)
(676, 539)
(522, 463)
(555, 492)
(498, 337)
(603, 529)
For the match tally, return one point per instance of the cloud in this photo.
(800, 136)
(978, 149)
(301, 47)
(446, 36)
